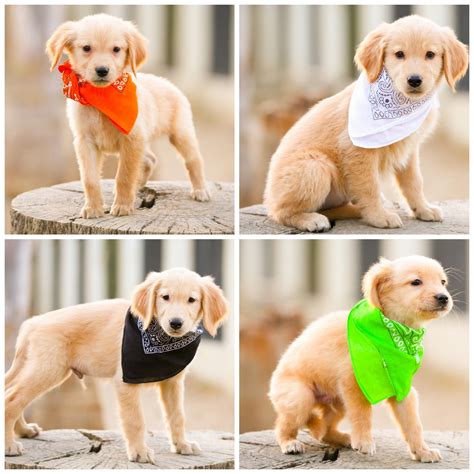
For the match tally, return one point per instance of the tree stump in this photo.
(85, 449)
(259, 450)
(254, 220)
(161, 208)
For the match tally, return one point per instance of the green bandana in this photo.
(385, 354)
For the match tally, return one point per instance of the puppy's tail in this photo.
(349, 211)
(21, 354)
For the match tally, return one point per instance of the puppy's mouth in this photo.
(415, 94)
(101, 82)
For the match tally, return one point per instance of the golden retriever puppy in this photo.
(103, 50)
(314, 384)
(87, 340)
(318, 170)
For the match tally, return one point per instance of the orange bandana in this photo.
(117, 101)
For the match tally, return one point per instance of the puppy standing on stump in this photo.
(346, 361)
(150, 340)
(115, 111)
(328, 165)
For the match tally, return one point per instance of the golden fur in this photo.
(162, 110)
(317, 168)
(87, 339)
(314, 384)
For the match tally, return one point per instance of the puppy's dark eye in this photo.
(86, 48)
(166, 297)
(443, 282)
(416, 282)
(400, 54)
(191, 299)
(430, 55)
(116, 49)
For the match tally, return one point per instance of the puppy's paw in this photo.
(429, 213)
(31, 430)
(311, 222)
(427, 455)
(384, 220)
(143, 454)
(201, 195)
(364, 446)
(14, 449)
(121, 209)
(92, 212)
(293, 447)
(186, 447)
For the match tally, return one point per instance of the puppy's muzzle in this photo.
(176, 323)
(102, 71)
(442, 299)
(414, 81)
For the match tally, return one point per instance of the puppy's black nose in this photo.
(442, 298)
(415, 80)
(176, 323)
(102, 71)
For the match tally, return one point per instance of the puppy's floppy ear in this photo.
(144, 298)
(137, 47)
(376, 276)
(215, 306)
(369, 56)
(455, 58)
(61, 39)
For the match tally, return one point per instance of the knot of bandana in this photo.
(385, 354)
(118, 101)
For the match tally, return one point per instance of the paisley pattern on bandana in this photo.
(387, 102)
(156, 341)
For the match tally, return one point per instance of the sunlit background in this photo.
(287, 284)
(292, 56)
(190, 45)
(43, 275)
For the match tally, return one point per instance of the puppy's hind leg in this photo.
(293, 401)
(26, 430)
(185, 141)
(149, 162)
(133, 423)
(332, 415)
(32, 382)
(172, 402)
(297, 187)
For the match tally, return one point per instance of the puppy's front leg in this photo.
(362, 178)
(128, 174)
(133, 423)
(359, 412)
(89, 166)
(408, 419)
(172, 402)
(410, 181)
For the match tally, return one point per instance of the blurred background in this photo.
(287, 284)
(292, 56)
(43, 275)
(190, 45)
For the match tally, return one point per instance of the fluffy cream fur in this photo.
(314, 384)
(162, 110)
(317, 168)
(86, 339)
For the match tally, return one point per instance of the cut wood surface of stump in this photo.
(160, 208)
(259, 450)
(86, 449)
(255, 220)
